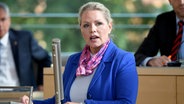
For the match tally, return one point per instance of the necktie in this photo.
(177, 42)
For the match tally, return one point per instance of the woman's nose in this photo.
(93, 28)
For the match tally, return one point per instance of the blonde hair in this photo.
(95, 6)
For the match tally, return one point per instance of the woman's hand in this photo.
(25, 100)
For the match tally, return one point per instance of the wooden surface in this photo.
(161, 85)
(48, 83)
(157, 85)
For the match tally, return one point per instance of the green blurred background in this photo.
(49, 19)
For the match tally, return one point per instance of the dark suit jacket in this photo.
(25, 50)
(160, 37)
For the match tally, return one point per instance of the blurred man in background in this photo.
(18, 51)
(166, 37)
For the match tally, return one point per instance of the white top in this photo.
(79, 88)
(8, 74)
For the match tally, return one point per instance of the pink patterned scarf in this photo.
(87, 64)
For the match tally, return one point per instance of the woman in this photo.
(102, 73)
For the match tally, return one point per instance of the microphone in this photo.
(57, 66)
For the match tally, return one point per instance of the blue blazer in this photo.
(114, 82)
(25, 50)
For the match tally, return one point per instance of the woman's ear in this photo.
(110, 26)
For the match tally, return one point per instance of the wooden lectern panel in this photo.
(157, 90)
(48, 83)
(180, 90)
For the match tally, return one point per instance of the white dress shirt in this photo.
(8, 74)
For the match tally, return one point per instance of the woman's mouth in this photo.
(94, 37)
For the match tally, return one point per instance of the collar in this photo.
(4, 40)
(177, 20)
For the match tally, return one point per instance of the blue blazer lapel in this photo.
(107, 59)
(97, 74)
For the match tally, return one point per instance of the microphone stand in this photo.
(57, 64)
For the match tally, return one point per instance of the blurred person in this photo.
(18, 50)
(162, 38)
(102, 73)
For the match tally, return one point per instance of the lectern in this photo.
(58, 78)
(12, 95)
